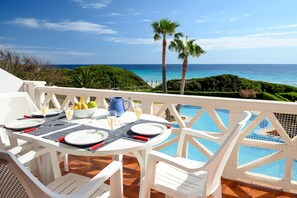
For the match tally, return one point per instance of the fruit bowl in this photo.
(84, 113)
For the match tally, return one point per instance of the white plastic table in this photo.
(116, 149)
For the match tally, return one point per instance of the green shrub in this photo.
(108, 77)
(219, 94)
(292, 96)
(283, 98)
(227, 83)
(202, 93)
(268, 96)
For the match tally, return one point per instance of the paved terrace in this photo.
(90, 166)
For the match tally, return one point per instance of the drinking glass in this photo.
(69, 113)
(111, 118)
(44, 109)
(138, 110)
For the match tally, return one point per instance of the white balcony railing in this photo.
(277, 147)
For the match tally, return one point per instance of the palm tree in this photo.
(163, 28)
(184, 50)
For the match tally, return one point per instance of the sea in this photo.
(152, 73)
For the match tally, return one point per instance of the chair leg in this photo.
(66, 165)
(218, 192)
(144, 191)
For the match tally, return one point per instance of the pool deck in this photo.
(90, 166)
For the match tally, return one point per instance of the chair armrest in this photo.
(241, 122)
(197, 134)
(21, 148)
(161, 157)
(32, 154)
(92, 186)
(201, 134)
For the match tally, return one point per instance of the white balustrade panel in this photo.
(282, 116)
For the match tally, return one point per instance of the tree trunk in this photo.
(164, 65)
(183, 81)
(167, 111)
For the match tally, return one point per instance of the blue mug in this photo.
(118, 104)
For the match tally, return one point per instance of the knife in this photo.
(138, 137)
(61, 139)
(29, 130)
(94, 147)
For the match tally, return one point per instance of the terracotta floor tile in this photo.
(90, 166)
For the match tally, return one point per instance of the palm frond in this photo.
(157, 37)
(186, 48)
(178, 35)
(181, 56)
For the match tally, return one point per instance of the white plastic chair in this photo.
(17, 181)
(15, 105)
(181, 177)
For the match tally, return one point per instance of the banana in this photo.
(84, 105)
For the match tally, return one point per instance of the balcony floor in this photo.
(90, 166)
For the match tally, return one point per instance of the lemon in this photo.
(92, 104)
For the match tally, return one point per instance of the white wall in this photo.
(9, 82)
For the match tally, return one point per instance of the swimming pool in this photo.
(246, 153)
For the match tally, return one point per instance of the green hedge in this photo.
(281, 97)
(227, 83)
(268, 96)
(261, 95)
(215, 94)
(201, 93)
(291, 96)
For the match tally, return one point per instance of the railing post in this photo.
(30, 88)
(147, 107)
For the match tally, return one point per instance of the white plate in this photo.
(51, 112)
(24, 124)
(85, 137)
(148, 128)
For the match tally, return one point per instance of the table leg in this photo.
(116, 180)
(13, 142)
(142, 157)
(49, 168)
(66, 164)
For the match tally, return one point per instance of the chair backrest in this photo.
(216, 164)
(14, 105)
(9, 82)
(17, 181)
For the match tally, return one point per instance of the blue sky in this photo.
(119, 31)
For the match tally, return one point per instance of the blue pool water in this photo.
(246, 153)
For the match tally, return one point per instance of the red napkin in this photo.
(94, 147)
(61, 139)
(29, 130)
(27, 116)
(141, 138)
